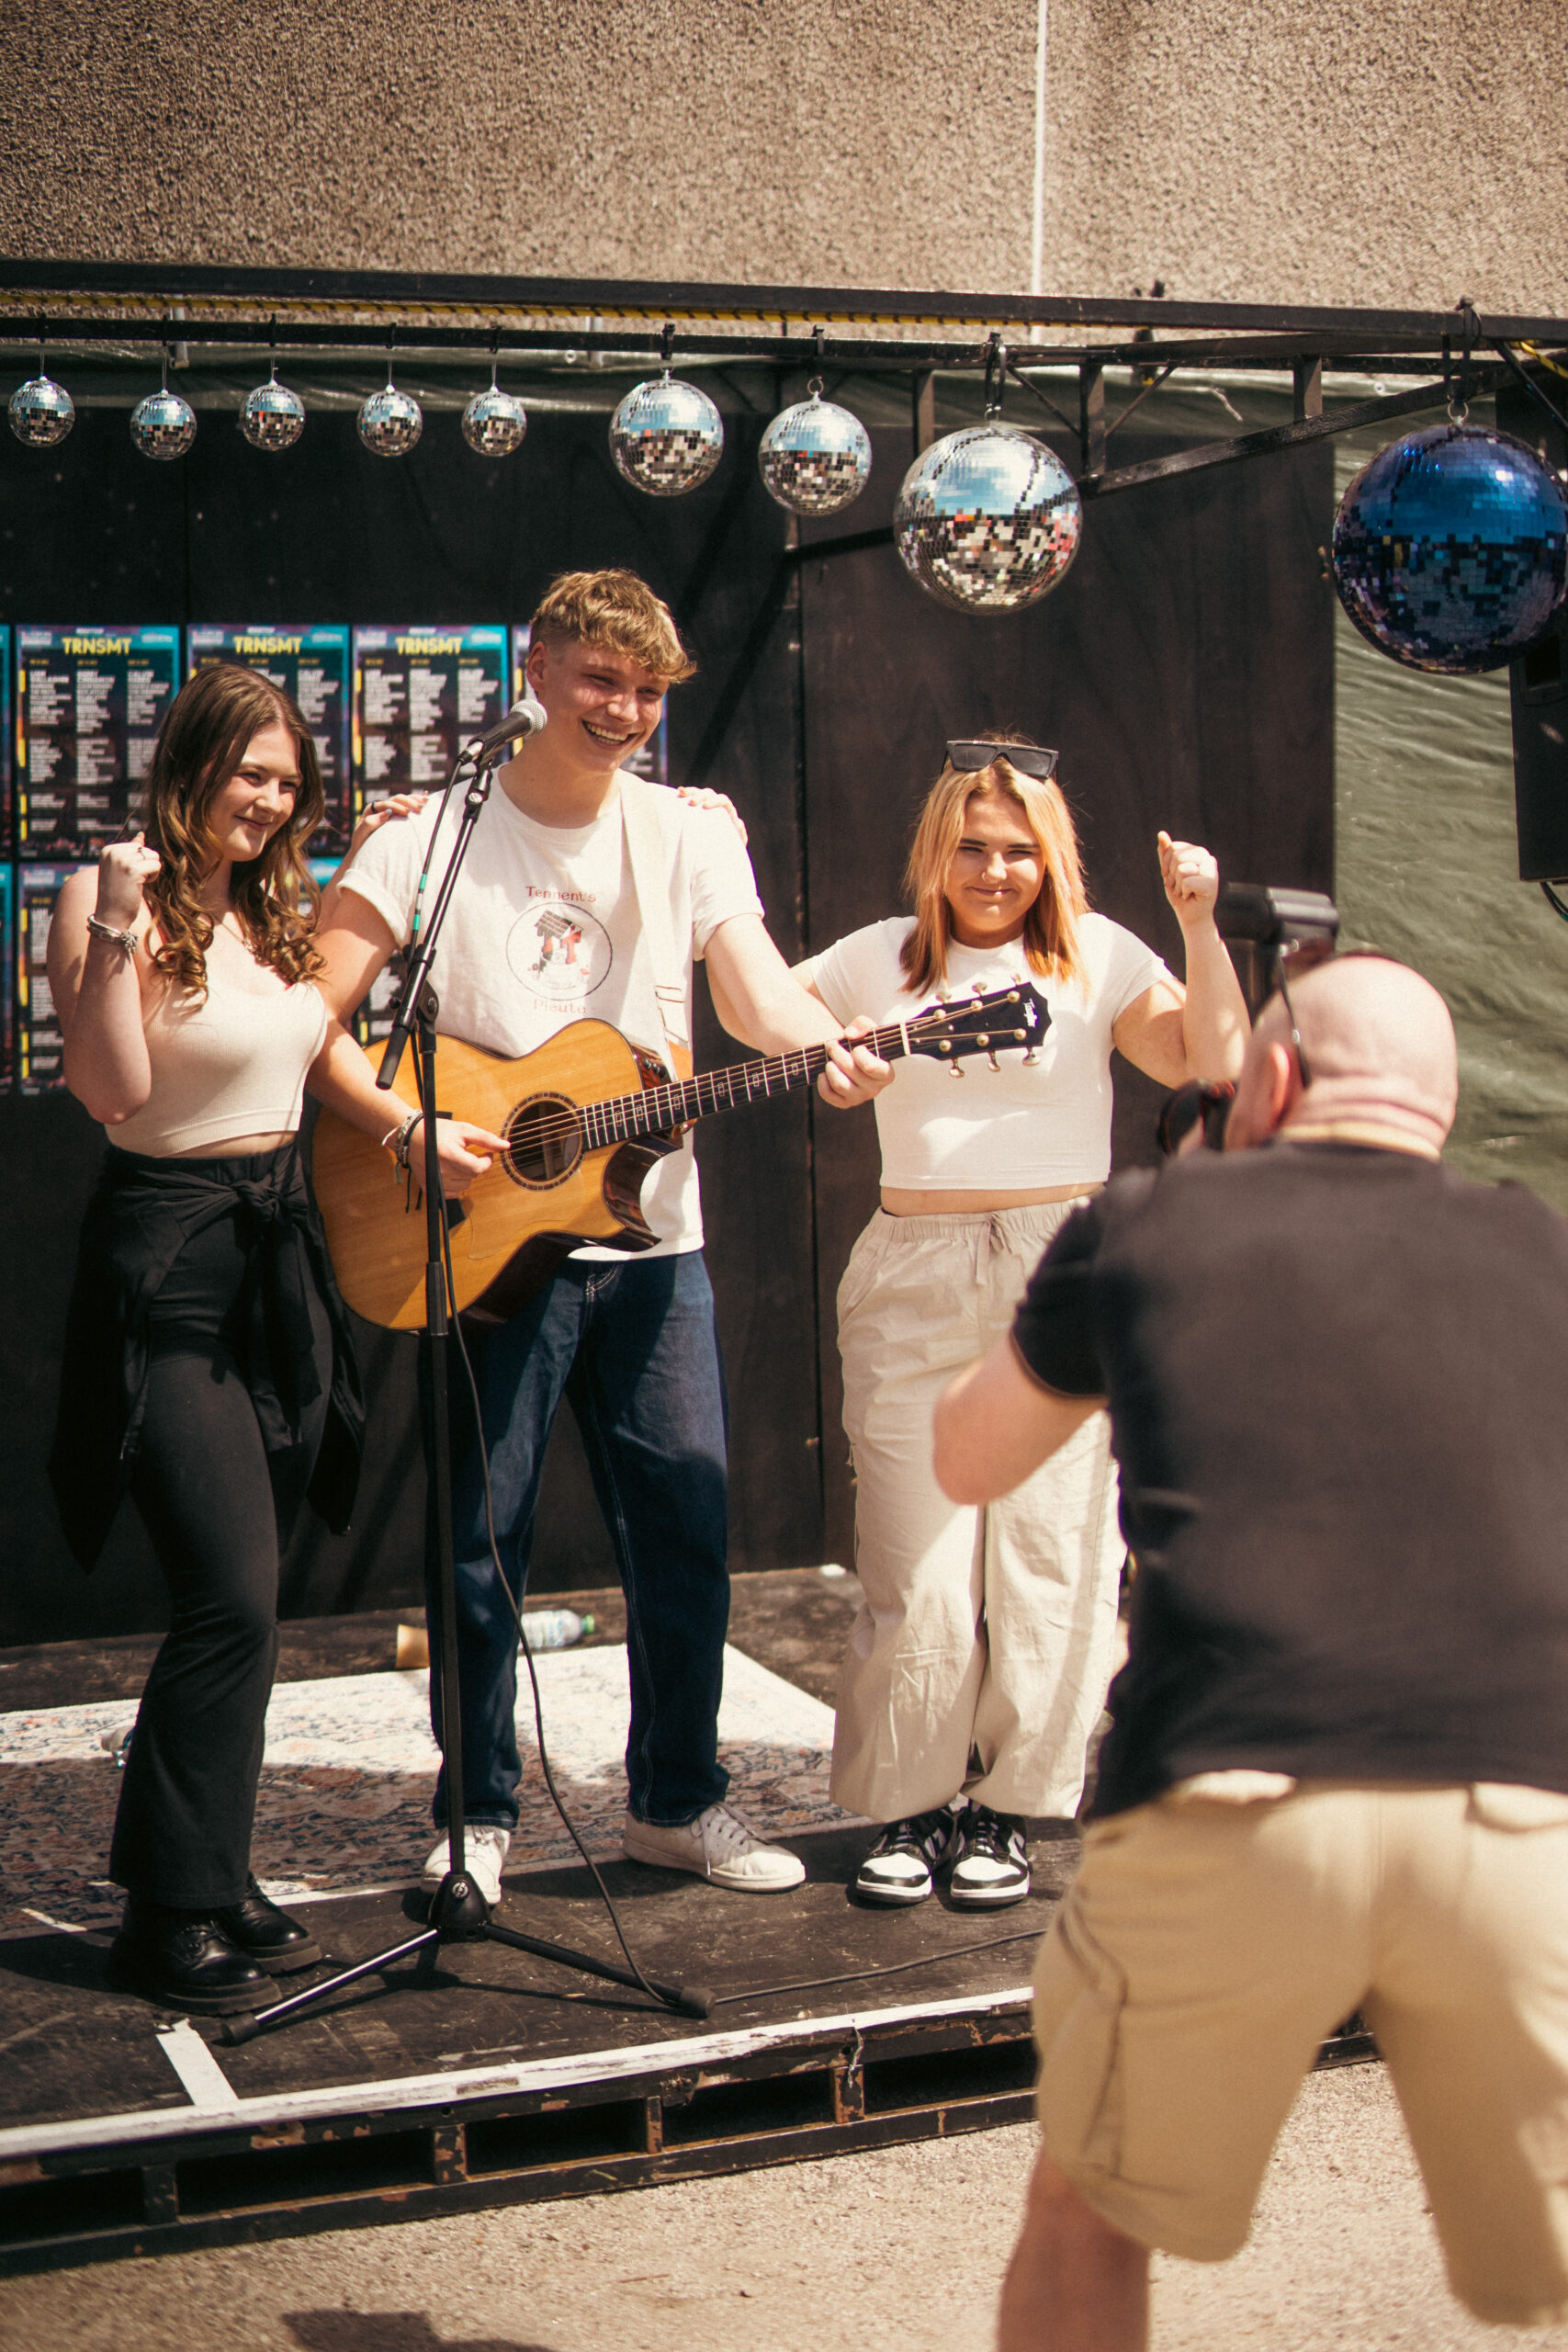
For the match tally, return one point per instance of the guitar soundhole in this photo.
(544, 1139)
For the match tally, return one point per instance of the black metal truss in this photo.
(1300, 326)
(302, 310)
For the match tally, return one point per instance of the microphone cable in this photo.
(663, 2000)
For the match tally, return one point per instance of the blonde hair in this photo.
(1050, 927)
(618, 609)
(200, 746)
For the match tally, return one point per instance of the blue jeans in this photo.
(634, 1349)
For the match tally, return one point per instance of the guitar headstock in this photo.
(1008, 1021)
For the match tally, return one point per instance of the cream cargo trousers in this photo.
(981, 1653)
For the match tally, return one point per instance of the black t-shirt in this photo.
(1339, 1388)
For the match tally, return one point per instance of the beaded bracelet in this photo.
(401, 1137)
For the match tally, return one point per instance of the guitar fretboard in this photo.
(658, 1108)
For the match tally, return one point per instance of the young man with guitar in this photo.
(586, 895)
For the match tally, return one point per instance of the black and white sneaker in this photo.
(898, 1868)
(991, 1859)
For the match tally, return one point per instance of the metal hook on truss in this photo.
(667, 344)
(996, 374)
(1470, 336)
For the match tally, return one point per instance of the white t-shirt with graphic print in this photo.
(543, 930)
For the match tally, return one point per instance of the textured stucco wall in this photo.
(816, 140)
(1342, 151)
(1313, 151)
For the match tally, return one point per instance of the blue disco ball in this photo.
(390, 422)
(43, 412)
(665, 437)
(162, 425)
(1450, 549)
(815, 458)
(989, 519)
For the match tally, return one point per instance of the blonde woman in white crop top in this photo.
(209, 1369)
(979, 1663)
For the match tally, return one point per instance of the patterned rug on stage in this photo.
(350, 1766)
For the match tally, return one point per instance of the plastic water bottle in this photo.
(553, 1629)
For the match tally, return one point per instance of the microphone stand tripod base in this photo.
(459, 1912)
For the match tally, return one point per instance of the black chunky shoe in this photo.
(898, 1868)
(991, 1864)
(268, 1935)
(185, 1959)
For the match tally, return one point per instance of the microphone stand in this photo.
(459, 1912)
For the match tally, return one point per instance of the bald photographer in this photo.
(1338, 1776)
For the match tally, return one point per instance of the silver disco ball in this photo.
(987, 519)
(273, 417)
(162, 425)
(494, 422)
(665, 437)
(815, 456)
(43, 412)
(390, 423)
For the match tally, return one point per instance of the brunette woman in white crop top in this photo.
(979, 1663)
(208, 1368)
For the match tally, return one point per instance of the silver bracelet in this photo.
(124, 940)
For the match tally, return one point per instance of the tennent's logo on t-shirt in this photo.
(558, 950)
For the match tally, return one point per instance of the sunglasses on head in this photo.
(1027, 758)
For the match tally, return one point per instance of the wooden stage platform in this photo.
(503, 2077)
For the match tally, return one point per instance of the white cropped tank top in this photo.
(229, 1063)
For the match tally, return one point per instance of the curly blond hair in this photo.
(200, 746)
(615, 608)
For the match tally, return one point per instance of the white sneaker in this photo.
(717, 1846)
(484, 1851)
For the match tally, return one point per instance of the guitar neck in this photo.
(658, 1108)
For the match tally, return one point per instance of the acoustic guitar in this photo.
(585, 1117)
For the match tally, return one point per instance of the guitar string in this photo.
(676, 1101)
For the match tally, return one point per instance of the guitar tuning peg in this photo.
(977, 987)
(991, 1057)
(955, 1069)
(1031, 1056)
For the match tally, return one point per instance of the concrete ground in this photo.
(903, 2248)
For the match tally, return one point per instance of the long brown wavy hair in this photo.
(1050, 928)
(200, 746)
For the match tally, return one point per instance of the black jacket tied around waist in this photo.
(141, 1216)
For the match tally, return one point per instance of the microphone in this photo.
(527, 716)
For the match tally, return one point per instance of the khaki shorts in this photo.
(1205, 1951)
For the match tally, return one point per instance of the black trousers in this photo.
(220, 1514)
